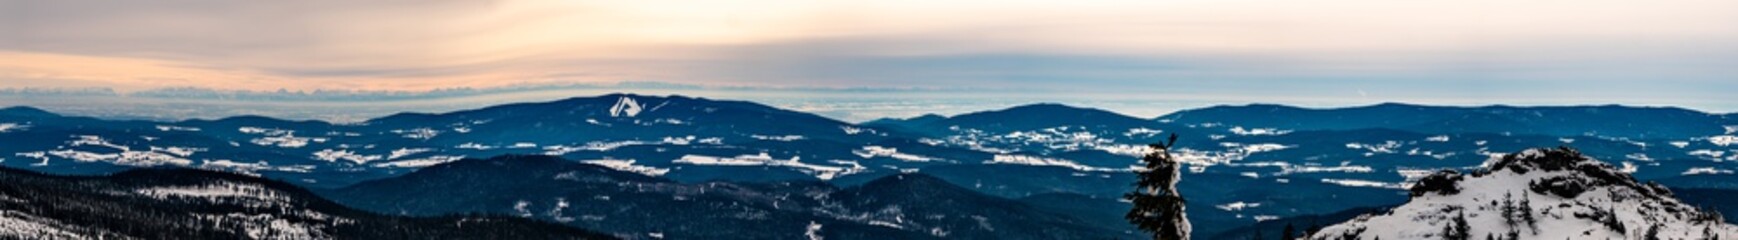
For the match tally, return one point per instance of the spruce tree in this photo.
(1509, 210)
(1158, 207)
(1527, 212)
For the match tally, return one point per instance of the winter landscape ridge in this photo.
(675, 167)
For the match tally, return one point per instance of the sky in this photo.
(1666, 52)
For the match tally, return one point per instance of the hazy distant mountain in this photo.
(1607, 120)
(193, 204)
(1020, 118)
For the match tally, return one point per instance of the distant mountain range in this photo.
(1247, 163)
(905, 206)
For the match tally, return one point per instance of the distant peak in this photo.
(26, 111)
(1396, 105)
(1046, 108)
(1045, 105)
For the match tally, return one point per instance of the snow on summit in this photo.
(1536, 194)
(625, 107)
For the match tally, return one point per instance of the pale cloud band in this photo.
(1670, 52)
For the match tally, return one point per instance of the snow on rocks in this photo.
(1535, 194)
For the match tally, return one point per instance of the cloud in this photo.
(1671, 51)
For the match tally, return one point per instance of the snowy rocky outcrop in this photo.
(1537, 194)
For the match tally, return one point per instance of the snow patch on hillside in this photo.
(1706, 170)
(405, 152)
(169, 128)
(1258, 131)
(813, 232)
(849, 130)
(1723, 140)
(1378, 148)
(418, 133)
(1237, 206)
(822, 172)
(879, 151)
(1437, 138)
(628, 166)
(1363, 183)
(279, 137)
(251, 168)
(123, 156)
(213, 191)
(603, 146)
(21, 225)
(332, 155)
(420, 162)
(1043, 161)
(474, 146)
(10, 127)
(1141, 132)
(177, 151)
(1199, 160)
(784, 138)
